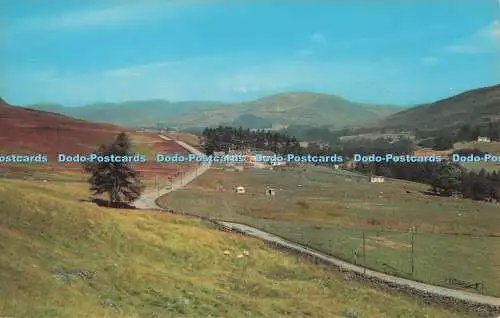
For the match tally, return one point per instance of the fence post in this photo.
(364, 253)
(412, 228)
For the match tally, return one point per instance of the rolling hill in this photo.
(291, 109)
(287, 108)
(132, 113)
(472, 107)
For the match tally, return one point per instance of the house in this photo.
(236, 152)
(276, 127)
(239, 190)
(263, 157)
(483, 139)
(278, 163)
(219, 153)
(304, 144)
(270, 192)
(349, 164)
(377, 179)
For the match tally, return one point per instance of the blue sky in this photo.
(385, 51)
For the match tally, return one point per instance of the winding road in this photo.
(148, 202)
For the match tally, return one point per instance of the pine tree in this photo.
(118, 179)
(447, 180)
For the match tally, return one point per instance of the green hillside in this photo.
(292, 109)
(60, 257)
(286, 108)
(472, 107)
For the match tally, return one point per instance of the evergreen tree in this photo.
(447, 180)
(118, 179)
(443, 142)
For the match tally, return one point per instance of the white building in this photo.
(240, 190)
(483, 139)
(377, 179)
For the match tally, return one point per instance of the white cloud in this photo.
(430, 60)
(304, 53)
(495, 26)
(484, 40)
(317, 38)
(111, 15)
(139, 70)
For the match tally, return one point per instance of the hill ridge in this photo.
(296, 107)
(473, 107)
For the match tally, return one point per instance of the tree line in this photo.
(444, 179)
(444, 139)
(225, 138)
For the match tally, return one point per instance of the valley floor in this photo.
(331, 211)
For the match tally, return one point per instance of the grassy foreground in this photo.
(60, 257)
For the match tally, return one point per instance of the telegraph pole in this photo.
(157, 182)
(364, 253)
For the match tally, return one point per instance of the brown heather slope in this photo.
(33, 131)
(30, 131)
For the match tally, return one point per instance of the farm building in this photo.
(483, 139)
(349, 164)
(261, 159)
(239, 190)
(253, 156)
(270, 192)
(377, 179)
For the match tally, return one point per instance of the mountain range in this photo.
(286, 109)
(299, 108)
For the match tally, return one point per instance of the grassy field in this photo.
(491, 147)
(61, 257)
(330, 210)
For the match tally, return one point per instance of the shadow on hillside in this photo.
(434, 194)
(105, 204)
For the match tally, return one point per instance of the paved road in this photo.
(148, 200)
(447, 292)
